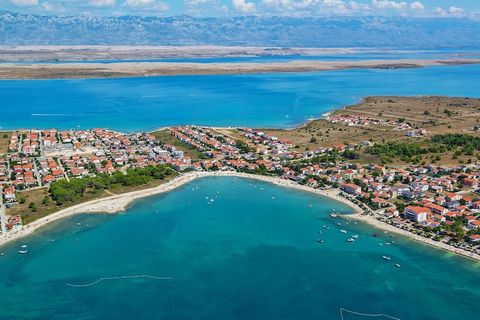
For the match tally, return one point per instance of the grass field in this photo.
(437, 115)
(4, 141)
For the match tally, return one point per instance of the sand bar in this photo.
(142, 69)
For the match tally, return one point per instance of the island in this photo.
(408, 165)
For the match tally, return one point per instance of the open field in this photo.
(437, 115)
(4, 141)
(138, 69)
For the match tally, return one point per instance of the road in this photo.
(2, 214)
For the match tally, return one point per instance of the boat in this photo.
(320, 241)
(326, 227)
(397, 265)
(23, 246)
(333, 215)
(355, 236)
(350, 240)
(22, 251)
(386, 258)
(343, 231)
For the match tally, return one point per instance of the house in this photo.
(472, 183)
(475, 224)
(351, 188)
(436, 208)
(9, 194)
(474, 238)
(417, 214)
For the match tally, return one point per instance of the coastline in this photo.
(119, 203)
(385, 227)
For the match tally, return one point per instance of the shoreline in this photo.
(387, 228)
(49, 71)
(120, 203)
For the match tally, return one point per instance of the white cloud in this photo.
(198, 2)
(389, 4)
(102, 3)
(25, 3)
(146, 7)
(440, 12)
(48, 6)
(138, 3)
(417, 5)
(455, 10)
(244, 7)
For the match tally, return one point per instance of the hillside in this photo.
(393, 32)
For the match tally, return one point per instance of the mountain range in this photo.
(391, 32)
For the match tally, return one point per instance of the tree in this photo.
(33, 207)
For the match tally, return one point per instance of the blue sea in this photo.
(257, 100)
(252, 253)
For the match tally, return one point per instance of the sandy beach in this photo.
(119, 203)
(142, 69)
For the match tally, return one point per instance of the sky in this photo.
(215, 8)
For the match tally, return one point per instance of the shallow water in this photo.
(265, 100)
(251, 254)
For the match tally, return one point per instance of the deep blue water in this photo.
(252, 254)
(259, 100)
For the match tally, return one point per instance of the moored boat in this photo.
(386, 258)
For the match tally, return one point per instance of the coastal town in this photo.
(437, 202)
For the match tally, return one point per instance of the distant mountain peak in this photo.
(374, 31)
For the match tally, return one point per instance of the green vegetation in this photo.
(459, 144)
(63, 191)
(244, 148)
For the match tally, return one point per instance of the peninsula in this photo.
(422, 182)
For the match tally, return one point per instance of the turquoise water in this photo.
(265, 100)
(252, 254)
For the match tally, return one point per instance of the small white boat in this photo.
(320, 240)
(350, 240)
(355, 236)
(22, 251)
(333, 215)
(23, 246)
(386, 258)
(343, 231)
(326, 227)
(397, 265)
